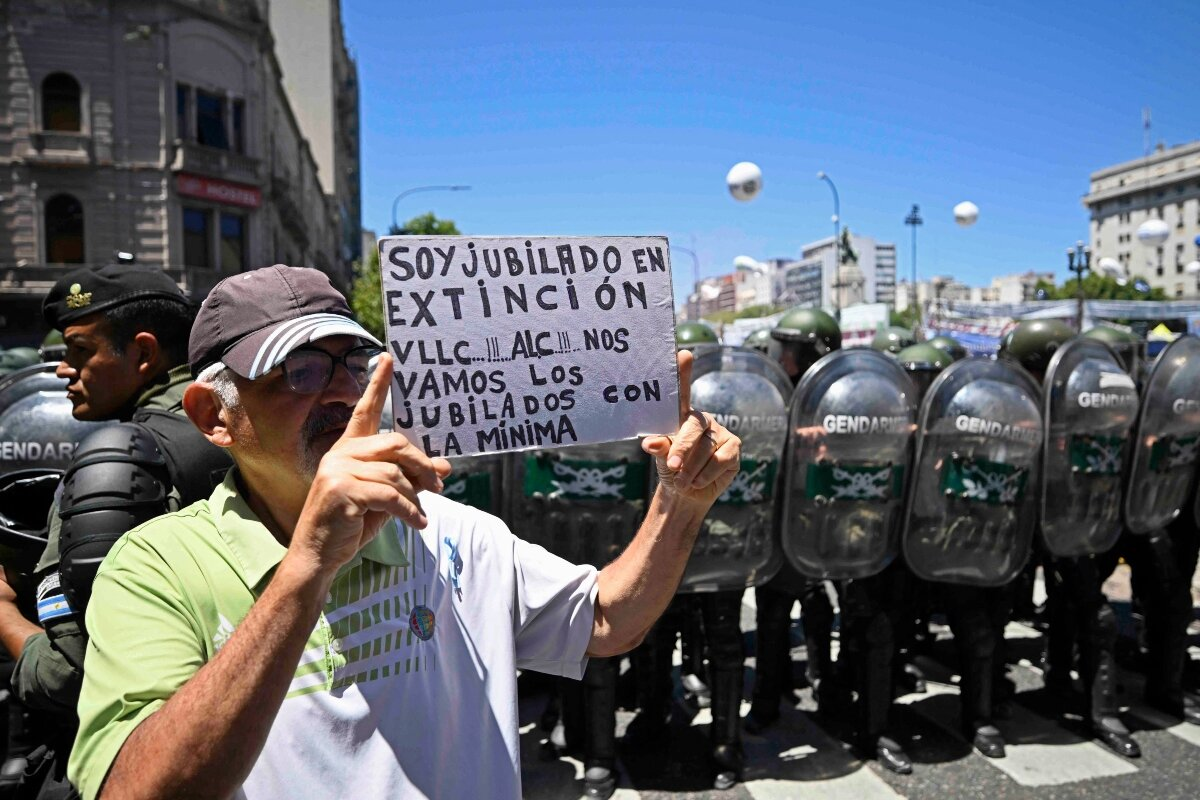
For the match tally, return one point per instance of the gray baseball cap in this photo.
(252, 320)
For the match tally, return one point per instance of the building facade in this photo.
(160, 129)
(1164, 185)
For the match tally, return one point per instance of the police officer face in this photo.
(103, 381)
(277, 424)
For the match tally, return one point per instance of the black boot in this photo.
(726, 728)
(1114, 735)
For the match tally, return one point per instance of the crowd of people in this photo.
(242, 583)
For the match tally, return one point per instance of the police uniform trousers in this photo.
(773, 671)
(873, 613)
(1163, 563)
(589, 713)
(1079, 615)
(720, 614)
(977, 617)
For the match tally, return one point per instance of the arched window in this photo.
(61, 109)
(64, 230)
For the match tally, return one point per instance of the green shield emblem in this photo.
(1172, 452)
(983, 481)
(1096, 455)
(830, 481)
(571, 479)
(754, 483)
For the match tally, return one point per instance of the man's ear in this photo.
(204, 409)
(149, 353)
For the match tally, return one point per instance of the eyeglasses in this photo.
(309, 371)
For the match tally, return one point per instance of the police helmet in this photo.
(808, 326)
(949, 345)
(53, 348)
(1033, 343)
(923, 362)
(1129, 347)
(691, 334)
(892, 339)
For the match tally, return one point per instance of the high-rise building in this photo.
(1164, 185)
(162, 129)
(874, 280)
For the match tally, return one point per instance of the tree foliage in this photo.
(749, 312)
(908, 318)
(1100, 287)
(425, 225)
(366, 293)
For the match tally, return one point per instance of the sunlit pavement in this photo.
(1048, 756)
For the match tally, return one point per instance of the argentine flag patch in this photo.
(52, 603)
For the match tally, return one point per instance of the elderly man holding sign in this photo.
(326, 624)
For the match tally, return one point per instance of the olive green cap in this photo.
(802, 325)
(892, 340)
(689, 334)
(924, 356)
(1033, 342)
(949, 345)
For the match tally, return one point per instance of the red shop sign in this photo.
(231, 194)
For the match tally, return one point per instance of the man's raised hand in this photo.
(698, 462)
(364, 479)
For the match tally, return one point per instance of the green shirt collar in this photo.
(257, 552)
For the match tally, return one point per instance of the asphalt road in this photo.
(1050, 755)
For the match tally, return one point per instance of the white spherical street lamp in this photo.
(966, 213)
(744, 181)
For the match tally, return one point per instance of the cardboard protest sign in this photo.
(514, 342)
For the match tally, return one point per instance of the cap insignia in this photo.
(78, 298)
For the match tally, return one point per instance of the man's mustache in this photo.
(326, 418)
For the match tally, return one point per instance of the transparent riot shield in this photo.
(850, 442)
(1089, 405)
(38, 437)
(972, 503)
(477, 481)
(1167, 438)
(583, 502)
(747, 393)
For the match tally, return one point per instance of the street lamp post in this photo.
(415, 189)
(837, 241)
(1079, 261)
(695, 272)
(913, 220)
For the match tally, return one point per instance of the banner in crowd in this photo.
(508, 343)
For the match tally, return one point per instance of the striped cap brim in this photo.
(258, 353)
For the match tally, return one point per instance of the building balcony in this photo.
(284, 198)
(216, 163)
(65, 148)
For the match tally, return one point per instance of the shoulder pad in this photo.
(118, 480)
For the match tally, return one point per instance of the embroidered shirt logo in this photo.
(421, 622)
(78, 298)
(224, 631)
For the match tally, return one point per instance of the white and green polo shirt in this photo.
(407, 687)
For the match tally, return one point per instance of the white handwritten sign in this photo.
(514, 342)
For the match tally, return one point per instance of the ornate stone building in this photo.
(163, 130)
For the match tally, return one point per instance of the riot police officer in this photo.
(803, 335)
(126, 330)
(970, 517)
(1160, 542)
(1078, 612)
(718, 612)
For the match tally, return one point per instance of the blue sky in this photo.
(623, 118)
